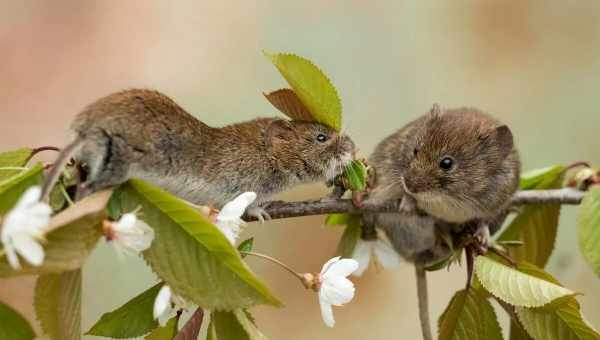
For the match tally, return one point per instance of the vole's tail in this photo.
(63, 158)
(423, 300)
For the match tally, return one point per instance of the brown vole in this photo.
(144, 134)
(450, 169)
(455, 166)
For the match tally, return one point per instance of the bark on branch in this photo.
(280, 209)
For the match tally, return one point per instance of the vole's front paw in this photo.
(482, 237)
(407, 204)
(259, 212)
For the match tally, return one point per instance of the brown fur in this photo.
(479, 186)
(144, 134)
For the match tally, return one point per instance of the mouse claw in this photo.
(407, 204)
(259, 213)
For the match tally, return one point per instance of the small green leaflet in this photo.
(356, 174)
(191, 255)
(13, 325)
(11, 160)
(350, 237)
(233, 325)
(337, 219)
(469, 316)
(58, 305)
(246, 245)
(588, 232)
(312, 87)
(133, 319)
(516, 287)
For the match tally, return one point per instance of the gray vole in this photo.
(144, 134)
(455, 166)
(449, 169)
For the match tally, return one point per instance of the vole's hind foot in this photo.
(259, 213)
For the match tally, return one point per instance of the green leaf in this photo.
(534, 178)
(11, 159)
(131, 320)
(12, 188)
(515, 287)
(537, 224)
(191, 255)
(75, 232)
(337, 219)
(588, 232)
(350, 237)
(560, 324)
(469, 316)
(312, 87)
(167, 332)
(356, 174)
(13, 325)
(57, 305)
(233, 325)
(246, 245)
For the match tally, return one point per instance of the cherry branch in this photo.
(280, 209)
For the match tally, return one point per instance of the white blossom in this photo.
(229, 218)
(166, 305)
(377, 251)
(129, 233)
(23, 229)
(334, 288)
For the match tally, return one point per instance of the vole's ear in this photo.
(435, 112)
(279, 130)
(504, 138)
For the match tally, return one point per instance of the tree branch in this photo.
(280, 209)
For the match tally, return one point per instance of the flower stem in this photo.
(281, 264)
(66, 195)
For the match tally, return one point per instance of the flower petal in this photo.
(126, 222)
(362, 255)
(234, 209)
(386, 255)
(329, 263)
(343, 268)
(162, 303)
(11, 256)
(337, 291)
(29, 197)
(29, 248)
(327, 314)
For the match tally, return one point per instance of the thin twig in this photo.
(280, 209)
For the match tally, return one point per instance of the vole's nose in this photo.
(346, 144)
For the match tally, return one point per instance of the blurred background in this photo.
(534, 65)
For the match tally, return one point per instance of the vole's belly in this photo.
(413, 236)
(192, 189)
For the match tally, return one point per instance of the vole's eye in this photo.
(417, 149)
(446, 163)
(321, 137)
